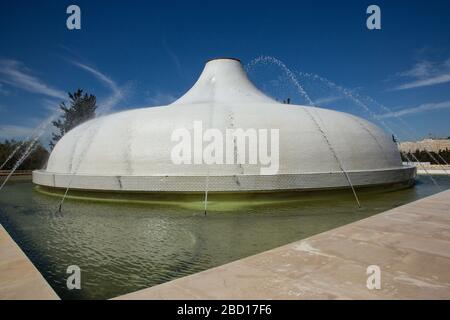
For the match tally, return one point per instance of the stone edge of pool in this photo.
(410, 244)
(19, 278)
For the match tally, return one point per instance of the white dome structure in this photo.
(131, 150)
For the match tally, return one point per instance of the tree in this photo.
(35, 160)
(82, 108)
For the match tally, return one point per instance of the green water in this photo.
(124, 247)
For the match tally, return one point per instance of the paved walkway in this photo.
(434, 171)
(410, 244)
(19, 279)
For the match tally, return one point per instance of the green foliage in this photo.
(82, 108)
(36, 160)
(424, 156)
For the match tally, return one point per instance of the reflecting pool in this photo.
(123, 247)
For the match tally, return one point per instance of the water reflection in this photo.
(121, 248)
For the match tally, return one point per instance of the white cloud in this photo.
(326, 100)
(51, 105)
(110, 102)
(415, 110)
(425, 74)
(100, 76)
(117, 93)
(420, 69)
(33, 126)
(9, 131)
(19, 76)
(173, 57)
(15, 74)
(3, 91)
(425, 82)
(160, 98)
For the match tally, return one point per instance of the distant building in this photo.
(433, 145)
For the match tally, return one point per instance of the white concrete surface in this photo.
(241, 183)
(137, 144)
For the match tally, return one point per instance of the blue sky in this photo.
(142, 53)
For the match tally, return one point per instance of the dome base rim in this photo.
(241, 183)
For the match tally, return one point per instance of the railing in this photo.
(16, 173)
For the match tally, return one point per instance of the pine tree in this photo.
(82, 108)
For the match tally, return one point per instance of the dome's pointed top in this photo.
(223, 80)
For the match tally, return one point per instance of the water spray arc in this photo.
(90, 131)
(302, 91)
(18, 147)
(410, 131)
(358, 102)
(347, 94)
(37, 134)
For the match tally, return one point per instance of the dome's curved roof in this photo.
(138, 142)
